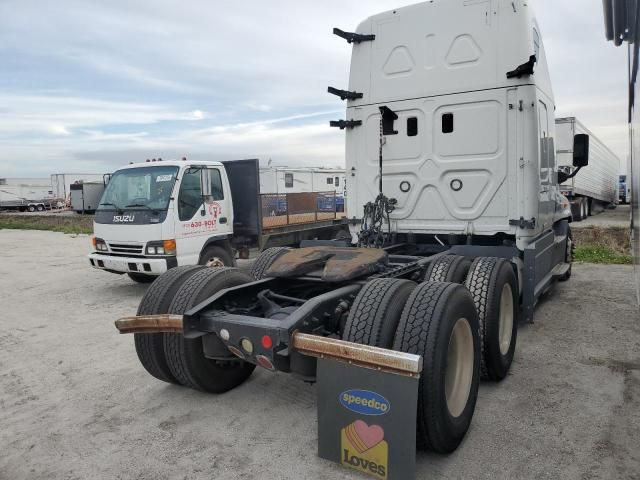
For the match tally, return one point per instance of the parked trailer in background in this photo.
(596, 185)
(85, 196)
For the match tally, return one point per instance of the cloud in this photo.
(93, 85)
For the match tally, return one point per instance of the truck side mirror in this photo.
(581, 150)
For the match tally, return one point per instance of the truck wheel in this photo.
(185, 357)
(141, 277)
(215, 256)
(375, 313)
(575, 211)
(450, 268)
(31, 208)
(494, 288)
(583, 208)
(440, 323)
(156, 300)
(569, 253)
(40, 208)
(265, 260)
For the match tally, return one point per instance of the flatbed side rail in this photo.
(375, 358)
(150, 324)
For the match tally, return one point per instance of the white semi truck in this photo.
(154, 216)
(457, 221)
(594, 187)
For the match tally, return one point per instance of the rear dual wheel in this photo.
(439, 322)
(494, 288)
(185, 356)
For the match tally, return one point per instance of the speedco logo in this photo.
(364, 402)
(123, 218)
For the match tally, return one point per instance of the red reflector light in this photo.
(267, 343)
(264, 362)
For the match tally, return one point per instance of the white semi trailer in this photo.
(595, 186)
(458, 227)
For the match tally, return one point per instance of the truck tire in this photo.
(575, 211)
(40, 208)
(141, 277)
(569, 253)
(440, 323)
(216, 256)
(265, 260)
(185, 357)
(156, 300)
(450, 268)
(374, 315)
(583, 208)
(494, 288)
(31, 208)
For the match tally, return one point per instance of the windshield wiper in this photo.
(113, 205)
(134, 205)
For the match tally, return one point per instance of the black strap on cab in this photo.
(342, 124)
(351, 37)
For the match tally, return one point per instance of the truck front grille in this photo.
(129, 249)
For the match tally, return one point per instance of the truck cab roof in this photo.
(171, 163)
(446, 46)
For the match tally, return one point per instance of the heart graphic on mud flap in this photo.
(364, 437)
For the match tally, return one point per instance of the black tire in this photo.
(40, 208)
(141, 277)
(575, 211)
(156, 300)
(428, 320)
(31, 208)
(215, 256)
(569, 255)
(375, 312)
(486, 281)
(265, 260)
(185, 357)
(450, 268)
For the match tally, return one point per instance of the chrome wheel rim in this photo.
(215, 262)
(459, 373)
(506, 319)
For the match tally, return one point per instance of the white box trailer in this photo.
(60, 182)
(85, 196)
(301, 180)
(596, 184)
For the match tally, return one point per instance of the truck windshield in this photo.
(139, 188)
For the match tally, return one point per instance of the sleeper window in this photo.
(447, 123)
(412, 126)
(288, 180)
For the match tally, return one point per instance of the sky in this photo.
(86, 87)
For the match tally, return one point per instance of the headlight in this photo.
(163, 247)
(99, 244)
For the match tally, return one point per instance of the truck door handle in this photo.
(223, 220)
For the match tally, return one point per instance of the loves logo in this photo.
(364, 448)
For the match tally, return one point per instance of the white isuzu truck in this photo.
(458, 227)
(154, 216)
(595, 187)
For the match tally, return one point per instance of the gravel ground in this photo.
(76, 404)
(617, 217)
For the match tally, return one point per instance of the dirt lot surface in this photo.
(76, 404)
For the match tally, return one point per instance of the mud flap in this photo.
(367, 418)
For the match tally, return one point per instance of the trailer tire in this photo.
(494, 288)
(156, 300)
(265, 260)
(185, 356)
(450, 268)
(31, 208)
(216, 256)
(375, 313)
(141, 277)
(440, 323)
